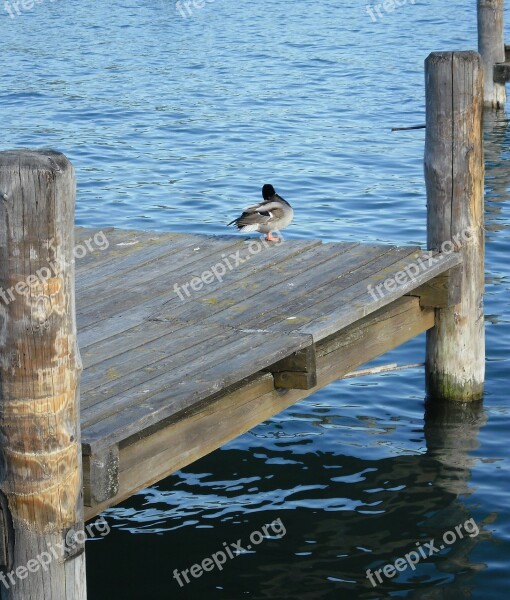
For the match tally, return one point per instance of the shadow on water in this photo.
(379, 511)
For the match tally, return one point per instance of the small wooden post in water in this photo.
(491, 45)
(454, 173)
(42, 553)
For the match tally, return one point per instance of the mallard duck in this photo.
(273, 214)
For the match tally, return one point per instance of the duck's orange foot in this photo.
(271, 238)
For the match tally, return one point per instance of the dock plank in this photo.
(180, 353)
(266, 291)
(157, 284)
(336, 289)
(147, 260)
(192, 263)
(167, 395)
(335, 317)
(104, 247)
(120, 356)
(299, 288)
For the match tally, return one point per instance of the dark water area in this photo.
(173, 124)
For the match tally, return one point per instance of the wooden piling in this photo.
(40, 472)
(491, 46)
(454, 172)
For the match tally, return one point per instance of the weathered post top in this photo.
(40, 472)
(491, 46)
(454, 174)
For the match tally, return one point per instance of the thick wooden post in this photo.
(454, 173)
(491, 46)
(40, 451)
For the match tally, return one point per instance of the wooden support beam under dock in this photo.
(169, 377)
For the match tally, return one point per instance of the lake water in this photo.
(173, 124)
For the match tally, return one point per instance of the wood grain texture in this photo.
(454, 173)
(442, 291)
(101, 475)
(164, 392)
(39, 372)
(259, 289)
(502, 73)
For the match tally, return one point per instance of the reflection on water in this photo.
(497, 173)
(451, 431)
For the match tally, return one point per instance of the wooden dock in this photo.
(171, 373)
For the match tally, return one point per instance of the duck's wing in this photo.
(257, 214)
(255, 208)
(273, 210)
(253, 218)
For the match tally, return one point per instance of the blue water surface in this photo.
(173, 123)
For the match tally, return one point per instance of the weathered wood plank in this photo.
(93, 331)
(335, 292)
(147, 261)
(442, 291)
(158, 287)
(164, 396)
(298, 279)
(175, 253)
(259, 288)
(233, 265)
(176, 349)
(209, 425)
(140, 339)
(356, 302)
(99, 248)
(127, 253)
(229, 359)
(192, 349)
